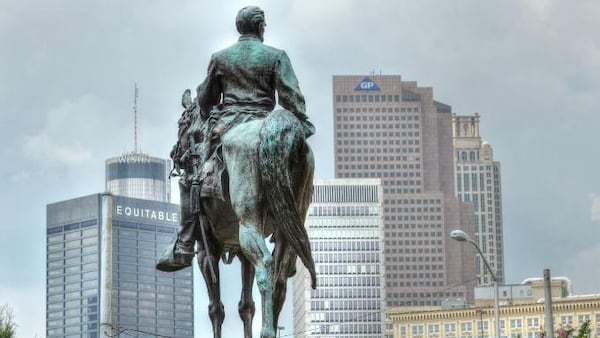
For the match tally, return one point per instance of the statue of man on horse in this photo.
(246, 174)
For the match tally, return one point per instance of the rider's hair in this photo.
(249, 19)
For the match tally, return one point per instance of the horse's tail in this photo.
(282, 142)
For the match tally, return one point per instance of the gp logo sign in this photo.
(367, 84)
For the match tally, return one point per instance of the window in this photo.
(566, 320)
(466, 327)
(583, 318)
(533, 322)
(433, 329)
(417, 330)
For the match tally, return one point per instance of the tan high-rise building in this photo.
(394, 130)
(478, 182)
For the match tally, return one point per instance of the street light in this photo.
(462, 236)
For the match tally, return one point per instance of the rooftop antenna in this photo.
(135, 97)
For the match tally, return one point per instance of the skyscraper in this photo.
(345, 227)
(139, 175)
(394, 130)
(101, 252)
(478, 182)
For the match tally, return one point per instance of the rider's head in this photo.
(251, 20)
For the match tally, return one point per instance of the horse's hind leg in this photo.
(246, 305)
(255, 249)
(285, 261)
(207, 257)
(244, 199)
(240, 152)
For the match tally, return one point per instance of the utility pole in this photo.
(548, 318)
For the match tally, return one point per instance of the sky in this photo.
(530, 68)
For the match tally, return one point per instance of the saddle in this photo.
(212, 176)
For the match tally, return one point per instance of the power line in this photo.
(123, 330)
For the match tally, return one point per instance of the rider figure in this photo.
(186, 155)
(240, 86)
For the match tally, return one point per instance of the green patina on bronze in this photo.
(246, 174)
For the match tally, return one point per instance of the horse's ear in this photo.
(186, 99)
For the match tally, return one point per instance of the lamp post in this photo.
(462, 236)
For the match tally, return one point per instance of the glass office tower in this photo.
(139, 175)
(345, 227)
(101, 280)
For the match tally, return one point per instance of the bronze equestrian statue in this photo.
(246, 175)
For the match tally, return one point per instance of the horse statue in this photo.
(251, 174)
(267, 182)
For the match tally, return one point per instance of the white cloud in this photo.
(72, 133)
(45, 148)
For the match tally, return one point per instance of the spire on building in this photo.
(135, 111)
(136, 174)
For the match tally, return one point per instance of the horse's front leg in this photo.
(208, 261)
(246, 306)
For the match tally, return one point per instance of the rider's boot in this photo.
(180, 251)
(175, 257)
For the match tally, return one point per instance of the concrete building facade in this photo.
(394, 130)
(345, 227)
(478, 182)
(521, 314)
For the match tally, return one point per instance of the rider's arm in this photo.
(209, 91)
(288, 91)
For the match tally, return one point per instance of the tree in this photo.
(584, 330)
(7, 324)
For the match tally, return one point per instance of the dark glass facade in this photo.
(101, 251)
(115, 171)
(72, 281)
